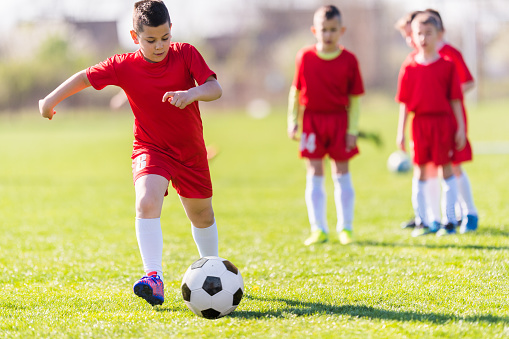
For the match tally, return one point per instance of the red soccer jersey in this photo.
(159, 125)
(326, 84)
(450, 53)
(428, 89)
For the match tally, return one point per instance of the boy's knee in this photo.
(202, 218)
(147, 207)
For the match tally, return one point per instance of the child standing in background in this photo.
(429, 87)
(327, 88)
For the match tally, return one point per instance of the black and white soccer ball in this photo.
(212, 287)
(399, 162)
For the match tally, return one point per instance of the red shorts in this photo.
(188, 182)
(325, 133)
(433, 138)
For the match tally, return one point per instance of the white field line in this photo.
(491, 147)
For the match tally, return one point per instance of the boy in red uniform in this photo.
(465, 203)
(160, 82)
(326, 88)
(429, 87)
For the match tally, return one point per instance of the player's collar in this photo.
(329, 55)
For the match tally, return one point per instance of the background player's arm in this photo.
(210, 90)
(73, 85)
(459, 137)
(352, 132)
(467, 86)
(400, 137)
(293, 112)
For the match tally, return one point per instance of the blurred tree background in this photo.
(251, 44)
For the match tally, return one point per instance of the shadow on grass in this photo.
(432, 246)
(300, 308)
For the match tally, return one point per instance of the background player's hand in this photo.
(45, 110)
(180, 99)
(292, 132)
(460, 139)
(400, 142)
(351, 142)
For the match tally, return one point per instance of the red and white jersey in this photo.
(325, 85)
(428, 89)
(159, 125)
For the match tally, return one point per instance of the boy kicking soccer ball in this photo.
(160, 83)
(326, 88)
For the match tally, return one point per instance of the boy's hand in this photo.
(460, 139)
(400, 142)
(46, 112)
(292, 132)
(351, 142)
(180, 99)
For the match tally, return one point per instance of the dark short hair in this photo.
(329, 12)
(435, 13)
(427, 18)
(150, 13)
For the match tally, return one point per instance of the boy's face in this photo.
(327, 32)
(154, 41)
(425, 37)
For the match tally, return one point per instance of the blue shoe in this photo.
(469, 224)
(150, 288)
(434, 227)
(448, 229)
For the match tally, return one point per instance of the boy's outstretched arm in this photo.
(210, 90)
(460, 136)
(73, 85)
(400, 137)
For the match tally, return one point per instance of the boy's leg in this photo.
(419, 201)
(344, 196)
(450, 189)
(316, 200)
(203, 225)
(432, 193)
(150, 190)
(466, 200)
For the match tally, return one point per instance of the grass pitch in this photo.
(69, 257)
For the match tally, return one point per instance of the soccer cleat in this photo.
(434, 227)
(408, 224)
(150, 288)
(420, 230)
(316, 237)
(448, 229)
(469, 224)
(345, 237)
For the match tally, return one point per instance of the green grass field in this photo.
(69, 256)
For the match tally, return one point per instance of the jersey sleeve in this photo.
(103, 74)
(198, 68)
(461, 67)
(401, 93)
(455, 89)
(298, 70)
(356, 84)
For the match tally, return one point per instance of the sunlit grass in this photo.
(69, 257)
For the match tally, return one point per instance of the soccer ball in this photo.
(212, 287)
(399, 162)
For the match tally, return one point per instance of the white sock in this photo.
(465, 194)
(344, 196)
(207, 240)
(432, 195)
(419, 201)
(150, 241)
(316, 201)
(450, 188)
